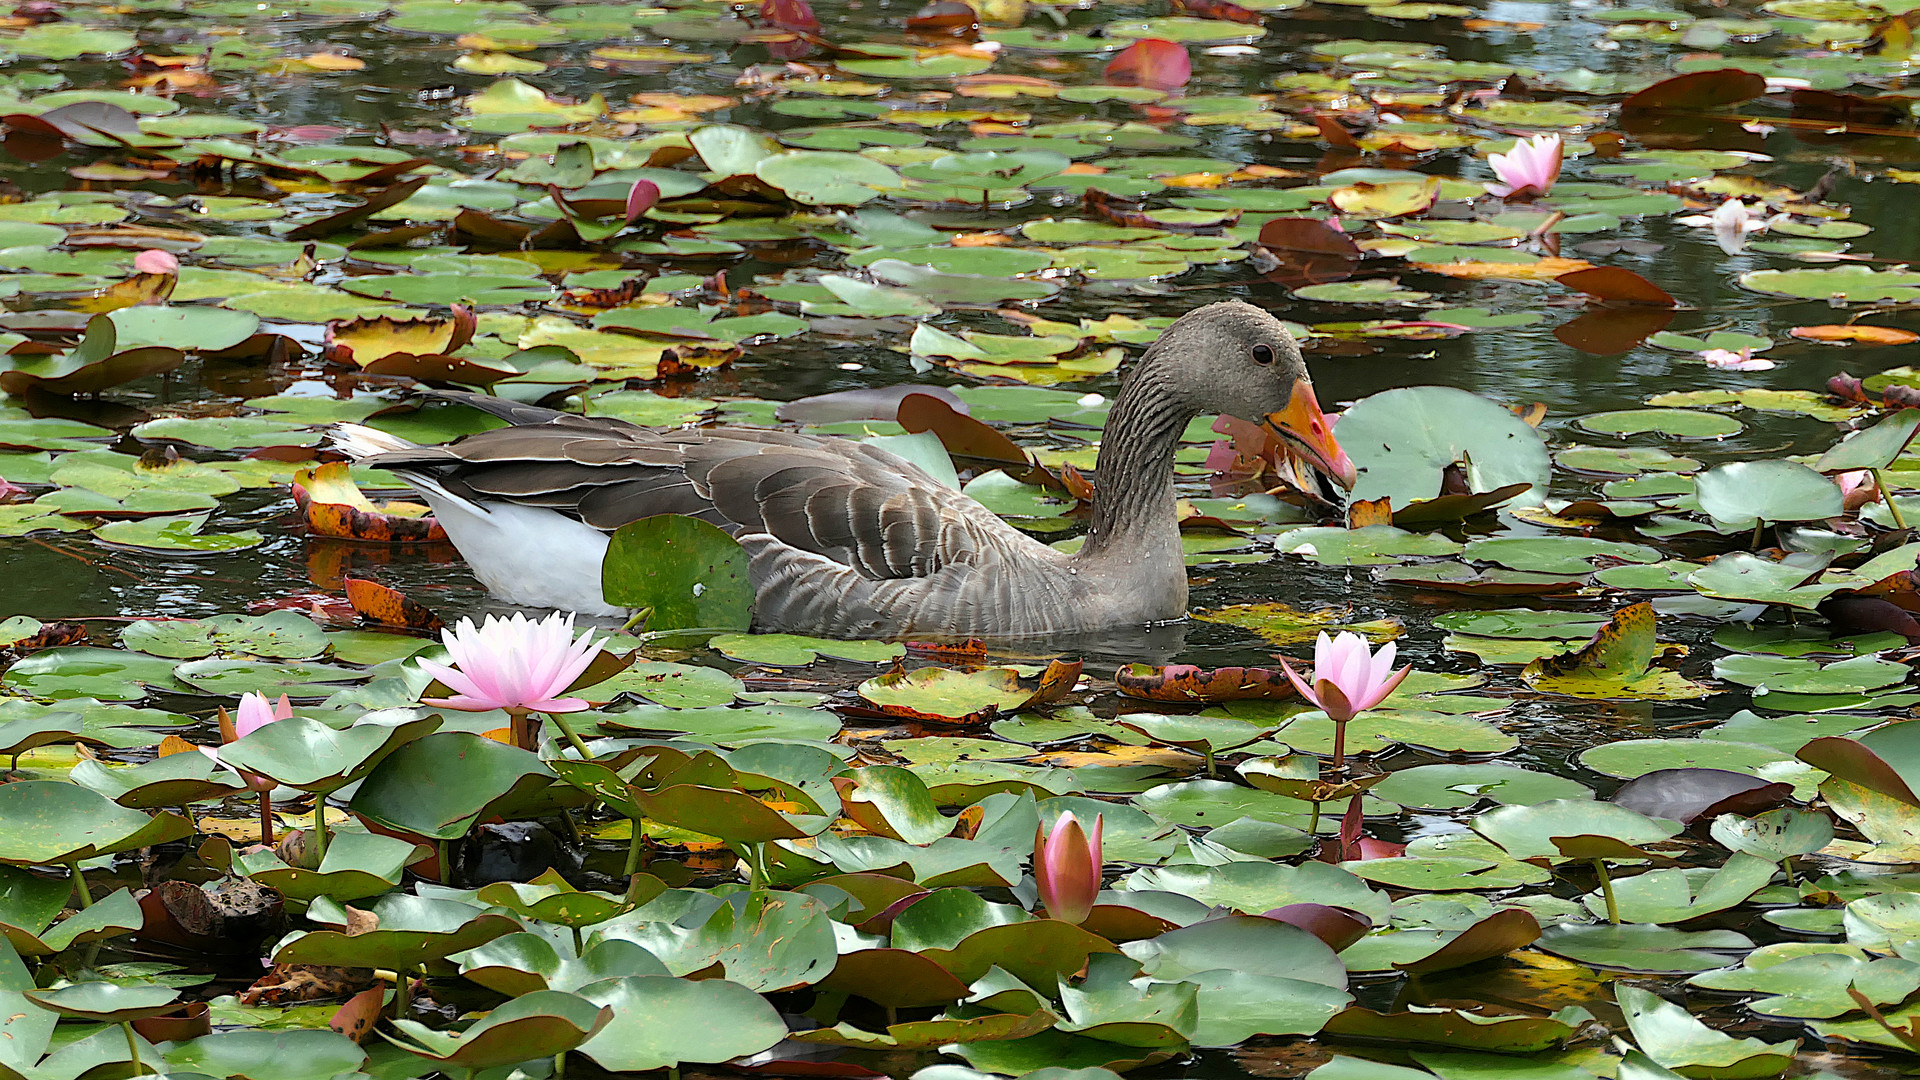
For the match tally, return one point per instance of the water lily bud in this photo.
(1067, 865)
(155, 261)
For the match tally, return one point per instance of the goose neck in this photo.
(1135, 512)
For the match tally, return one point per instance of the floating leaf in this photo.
(689, 572)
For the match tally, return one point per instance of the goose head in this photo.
(1234, 358)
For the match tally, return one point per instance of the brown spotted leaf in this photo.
(356, 1018)
(383, 606)
(335, 507)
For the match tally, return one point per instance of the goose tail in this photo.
(359, 441)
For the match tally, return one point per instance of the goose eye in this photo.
(1263, 354)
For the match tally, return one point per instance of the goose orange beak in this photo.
(1302, 425)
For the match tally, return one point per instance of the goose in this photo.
(848, 540)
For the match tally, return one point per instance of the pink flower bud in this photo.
(1067, 865)
(155, 261)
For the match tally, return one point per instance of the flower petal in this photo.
(1300, 684)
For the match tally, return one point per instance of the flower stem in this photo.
(1886, 496)
(266, 817)
(636, 848)
(133, 1048)
(1606, 890)
(319, 828)
(1339, 744)
(573, 737)
(524, 732)
(82, 895)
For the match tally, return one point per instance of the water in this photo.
(409, 86)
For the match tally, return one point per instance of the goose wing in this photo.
(854, 504)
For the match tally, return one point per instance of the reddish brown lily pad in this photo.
(383, 606)
(1698, 90)
(1152, 63)
(1617, 285)
(1496, 935)
(1192, 684)
(335, 507)
(894, 978)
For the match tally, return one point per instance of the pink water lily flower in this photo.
(1531, 166)
(254, 713)
(1857, 488)
(640, 198)
(514, 664)
(1728, 360)
(1347, 679)
(1066, 865)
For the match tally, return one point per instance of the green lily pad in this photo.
(1845, 284)
(1447, 787)
(536, 1025)
(280, 635)
(356, 865)
(1644, 948)
(1681, 423)
(99, 674)
(1813, 986)
(1671, 1036)
(1403, 440)
(1740, 494)
(231, 678)
(660, 1022)
(181, 535)
(798, 650)
(312, 756)
(689, 572)
(53, 822)
(1629, 758)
